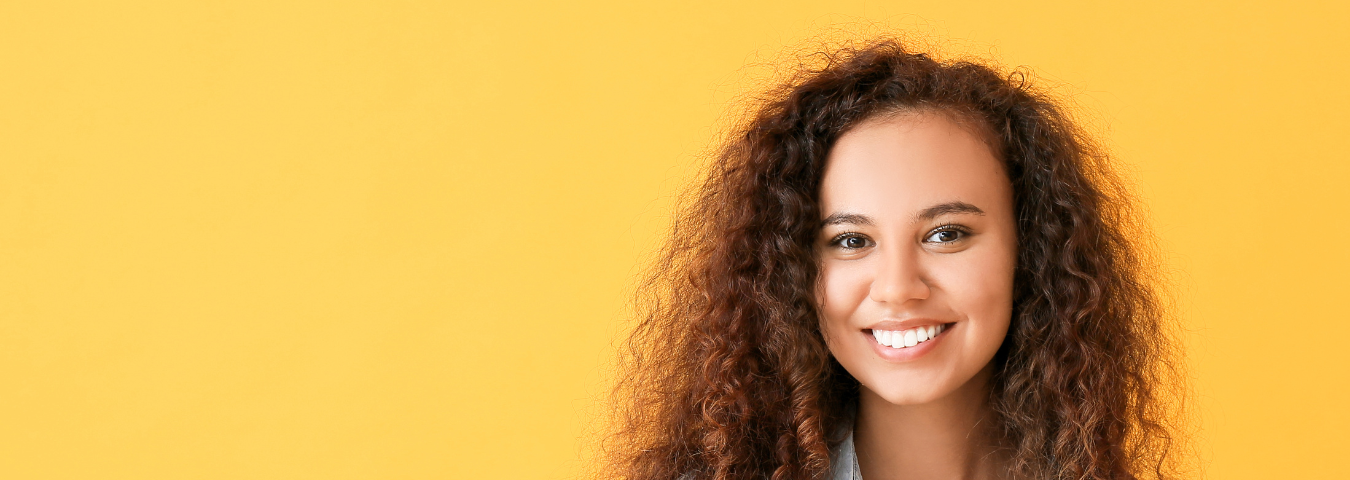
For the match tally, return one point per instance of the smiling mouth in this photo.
(909, 337)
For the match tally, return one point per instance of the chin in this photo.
(921, 388)
(901, 396)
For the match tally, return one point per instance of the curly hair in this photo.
(727, 375)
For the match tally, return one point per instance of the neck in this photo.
(940, 439)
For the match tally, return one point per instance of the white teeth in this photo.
(907, 338)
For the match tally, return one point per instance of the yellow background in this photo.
(393, 239)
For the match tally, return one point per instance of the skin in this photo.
(919, 231)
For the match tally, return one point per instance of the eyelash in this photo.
(950, 227)
(838, 240)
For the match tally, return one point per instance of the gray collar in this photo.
(844, 461)
(844, 458)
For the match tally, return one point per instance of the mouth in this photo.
(908, 338)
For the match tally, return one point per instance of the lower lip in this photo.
(908, 353)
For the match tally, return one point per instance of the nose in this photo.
(899, 278)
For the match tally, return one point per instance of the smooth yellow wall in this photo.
(392, 239)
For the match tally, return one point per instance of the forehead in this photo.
(910, 162)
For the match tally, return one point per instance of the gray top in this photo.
(844, 461)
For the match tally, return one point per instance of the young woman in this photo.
(900, 268)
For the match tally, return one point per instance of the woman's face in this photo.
(917, 255)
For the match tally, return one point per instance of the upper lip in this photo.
(906, 324)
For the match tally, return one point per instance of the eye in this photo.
(851, 241)
(946, 234)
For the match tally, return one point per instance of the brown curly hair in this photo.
(727, 375)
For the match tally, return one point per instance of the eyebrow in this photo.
(948, 209)
(849, 219)
(840, 218)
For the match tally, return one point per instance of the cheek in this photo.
(980, 287)
(841, 290)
